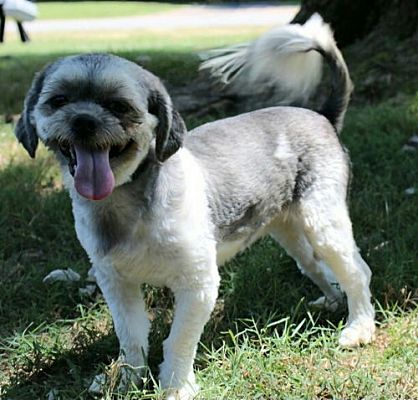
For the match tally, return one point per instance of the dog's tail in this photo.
(288, 58)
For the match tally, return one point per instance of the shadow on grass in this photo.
(70, 373)
(37, 235)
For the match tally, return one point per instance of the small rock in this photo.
(91, 277)
(381, 245)
(87, 291)
(413, 140)
(407, 147)
(412, 144)
(62, 275)
(52, 394)
(143, 60)
(11, 118)
(98, 384)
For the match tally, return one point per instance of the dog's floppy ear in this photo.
(25, 130)
(171, 127)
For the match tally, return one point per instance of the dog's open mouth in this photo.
(93, 176)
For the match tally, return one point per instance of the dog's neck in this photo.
(110, 219)
(143, 167)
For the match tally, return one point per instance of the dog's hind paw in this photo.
(357, 333)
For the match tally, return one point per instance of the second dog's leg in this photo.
(193, 308)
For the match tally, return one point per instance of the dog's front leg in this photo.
(193, 309)
(126, 304)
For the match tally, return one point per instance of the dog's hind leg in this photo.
(130, 319)
(328, 228)
(289, 233)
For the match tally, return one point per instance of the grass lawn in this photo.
(102, 9)
(266, 345)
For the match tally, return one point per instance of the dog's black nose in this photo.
(84, 124)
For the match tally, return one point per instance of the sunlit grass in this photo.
(136, 40)
(100, 9)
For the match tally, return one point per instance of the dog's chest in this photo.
(135, 251)
(147, 256)
(159, 243)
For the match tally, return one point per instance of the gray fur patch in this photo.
(128, 203)
(248, 184)
(303, 180)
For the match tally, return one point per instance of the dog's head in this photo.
(100, 114)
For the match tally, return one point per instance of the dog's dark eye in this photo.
(58, 101)
(118, 107)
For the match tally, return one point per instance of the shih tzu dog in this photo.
(155, 204)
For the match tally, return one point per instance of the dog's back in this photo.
(257, 164)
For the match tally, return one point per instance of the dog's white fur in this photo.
(200, 207)
(281, 58)
(275, 58)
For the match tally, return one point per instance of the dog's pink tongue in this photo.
(93, 176)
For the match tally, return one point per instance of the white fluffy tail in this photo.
(288, 58)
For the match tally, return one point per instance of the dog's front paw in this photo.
(118, 376)
(178, 389)
(187, 392)
(130, 376)
(357, 333)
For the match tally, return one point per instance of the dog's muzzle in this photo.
(90, 166)
(88, 161)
